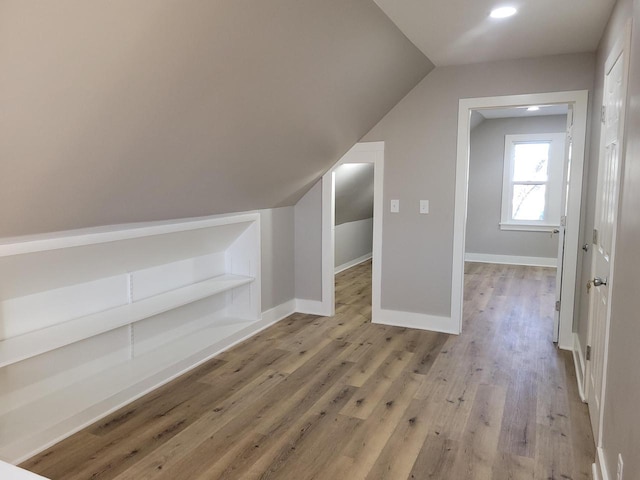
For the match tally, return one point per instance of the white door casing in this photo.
(579, 101)
(364, 152)
(605, 221)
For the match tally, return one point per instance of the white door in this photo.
(605, 230)
(560, 231)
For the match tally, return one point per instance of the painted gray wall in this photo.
(308, 245)
(486, 165)
(118, 111)
(420, 157)
(353, 240)
(354, 192)
(621, 430)
(354, 212)
(277, 242)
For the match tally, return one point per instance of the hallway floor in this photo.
(341, 398)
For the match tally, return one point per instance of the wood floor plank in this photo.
(341, 398)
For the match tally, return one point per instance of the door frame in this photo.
(579, 99)
(365, 152)
(621, 47)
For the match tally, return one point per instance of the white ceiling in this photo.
(455, 32)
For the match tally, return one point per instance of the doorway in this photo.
(369, 153)
(518, 169)
(576, 103)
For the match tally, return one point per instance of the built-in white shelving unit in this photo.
(90, 320)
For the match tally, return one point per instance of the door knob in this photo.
(598, 282)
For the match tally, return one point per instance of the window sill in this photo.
(522, 227)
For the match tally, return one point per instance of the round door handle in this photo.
(598, 282)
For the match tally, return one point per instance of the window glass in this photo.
(529, 202)
(531, 162)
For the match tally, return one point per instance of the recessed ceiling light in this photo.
(503, 12)
(533, 109)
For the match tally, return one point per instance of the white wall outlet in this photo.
(424, 206)
(395, 206)
(620, 466)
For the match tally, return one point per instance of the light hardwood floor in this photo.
(341, 398)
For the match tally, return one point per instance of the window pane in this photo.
(529, 202)
(531, 162)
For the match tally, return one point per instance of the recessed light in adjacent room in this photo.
(503, 12)
(533, 109)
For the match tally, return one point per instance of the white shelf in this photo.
(29, 345)
(10, 472)
(74, 407)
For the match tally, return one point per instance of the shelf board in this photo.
(50, 418)
(14, 473)
(16, 349)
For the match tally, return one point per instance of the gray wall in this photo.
(308, 245)
(354, 192)
(353, 240)
(354, 212)
(486, 164)
(621, 431)
(420, 157)
(277, 242)
(116, 111)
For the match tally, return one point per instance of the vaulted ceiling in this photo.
(117, 111)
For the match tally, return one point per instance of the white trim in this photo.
(353, 263)
(112, 233)
(511, 260)
(519, 227)
(11, 472)
(553, 184)
(420, 321)
(621, 47)
(310, 307)
(367, 152)
(328, 242)
(277, 313)
(579, 99)
(578, 362)
(599, 468)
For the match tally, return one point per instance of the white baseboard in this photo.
(353, 263)
(311, 307)
(511, 260)
(578, 360)
(599, 469)
(279, 312)
(416, 320)
(32, 446)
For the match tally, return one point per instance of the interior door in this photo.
(605, 231)
(560, 231)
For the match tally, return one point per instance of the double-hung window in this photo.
(532, 181)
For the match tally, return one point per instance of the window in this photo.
(533, 179)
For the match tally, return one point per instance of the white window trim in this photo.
(554, 190)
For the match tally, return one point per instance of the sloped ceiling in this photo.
(117, 111)
(354, 192)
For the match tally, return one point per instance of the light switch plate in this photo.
(395, 206)
(424, 206)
